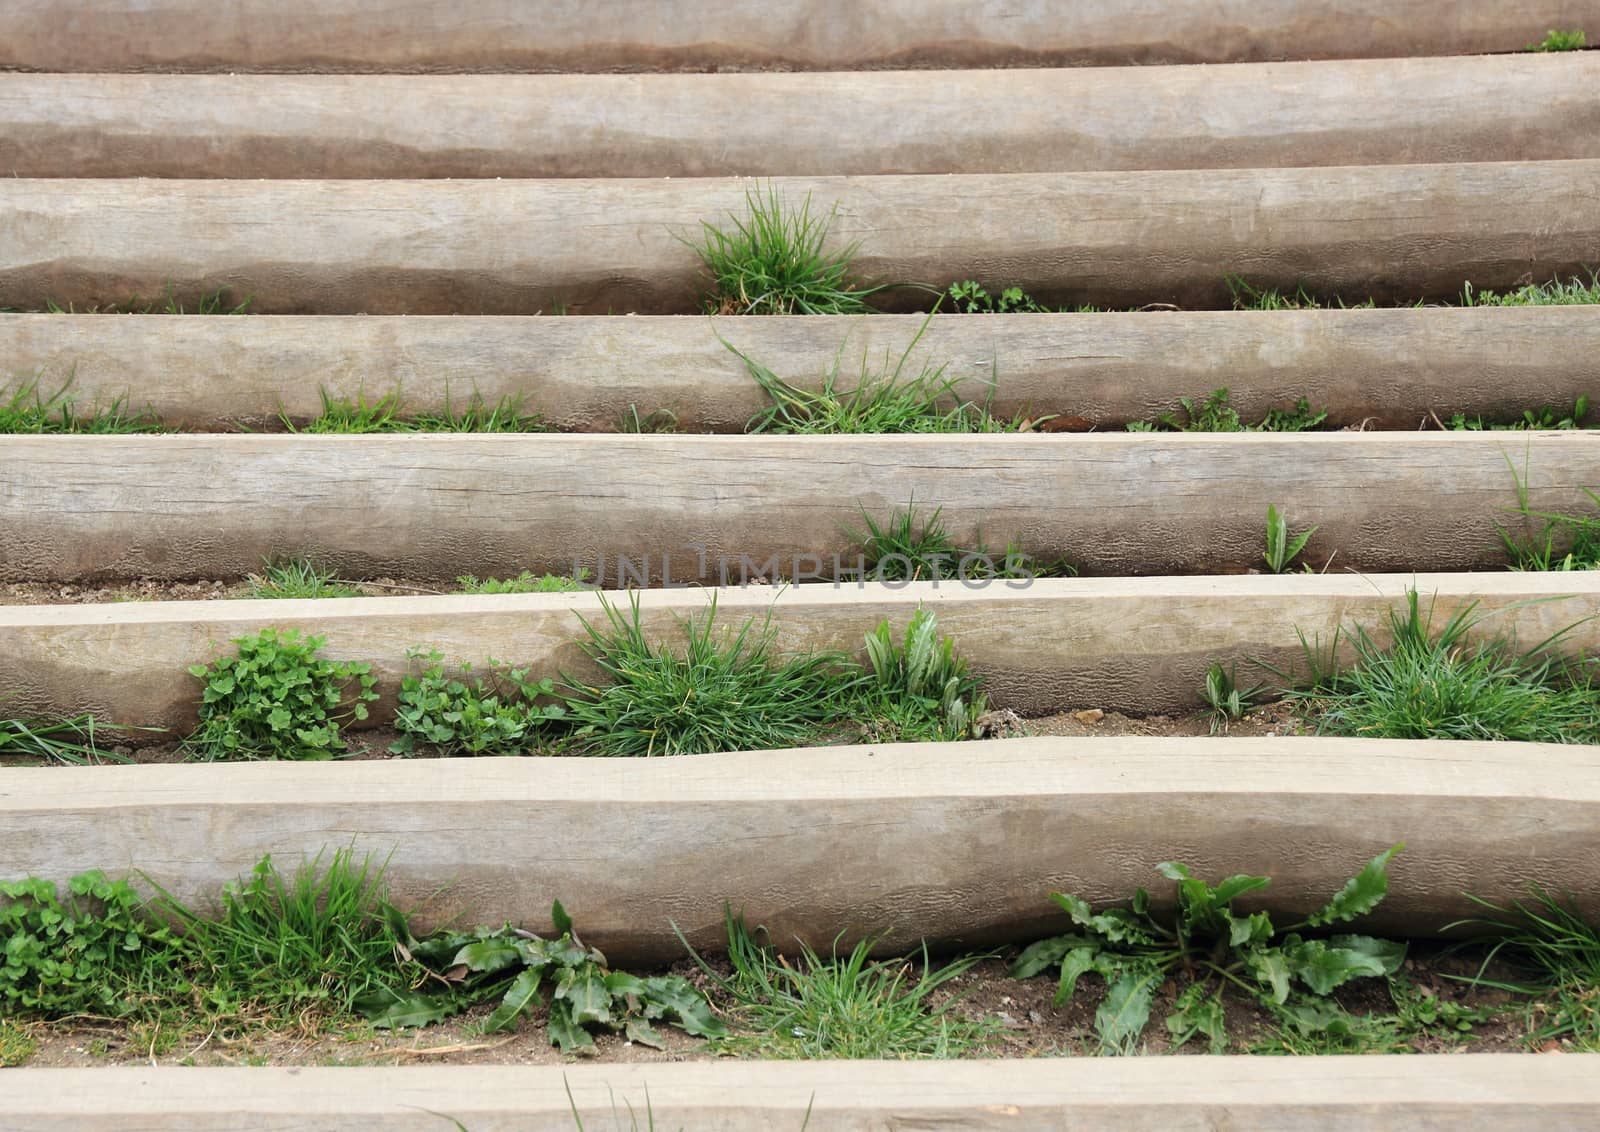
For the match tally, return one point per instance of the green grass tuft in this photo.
(1544, 417)
(842, 1006)
(1564, 541)
(1556, 293)
(1226, 702)
(658, 422)
(919, 689)
(384, 415)
(1559, 41)
(774, 261)
(719, 691)
(1559, 948)
(477, 415)
(69, 741)
(1217, 414)
(298, 947)
(1437, 685)
(524, 583)
(355, 415)
(27, 409)
(294, 578)
(877, 400)
(910, 547)
(219, 302)
(17, 1045)
(1251, 298)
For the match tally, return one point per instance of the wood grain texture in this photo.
(1483, 1093)
(518, 247)
(1486, 108)
(568, 35)
(1140, 646)
(1388, 368)
(435, 506)
(958, 844)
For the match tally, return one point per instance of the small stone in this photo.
(1090, 717)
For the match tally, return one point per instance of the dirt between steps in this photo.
(1265, 722)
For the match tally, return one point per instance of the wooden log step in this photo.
(1137, 645)
(1485, 108)
(1496, 1092)
(505, 35)
(98, 508)
(1382, 368)
(517, 247)
(956, 843)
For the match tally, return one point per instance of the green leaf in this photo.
(1324, 968)
(621, 984)
(1126, 1010)
(558, 915)
(1236, 886)
(1116, 925)
(1197, 1012)
(676, 995)
(1076, 907)
(1075, 964)
(1360, 894)
(1119, 925)
(390, 1010)
(1314, 1016)
(1039, 957)
(1298, 543)
(1389, 954)
(520, 997)
(564, 1032)
(488, 955)
(638, 1030)
(1250, 931)
(439, 951)
(584, 989)
(1269, 966)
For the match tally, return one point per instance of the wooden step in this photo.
(1135, 645)
(508, 35)
(1379, 368)
(518, 247)
(1495, 1092)
(956, 843)
(431, 507)
(1486, 108)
